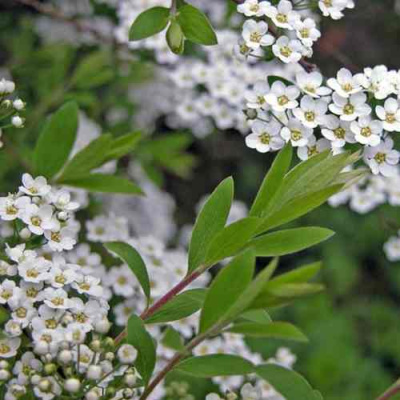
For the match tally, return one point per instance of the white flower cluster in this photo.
(57, 305)
(259, 390)
(202, 94)
(42, 211)
(362, 109)
(10, 107)
(286, 16)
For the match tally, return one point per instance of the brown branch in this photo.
(392, 391)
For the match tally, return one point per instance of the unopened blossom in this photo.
(283, 15)
(311, 112)
(382, 159)
(311, 84)
(253, 8)
(281, 97)
(345, 84)
(367, 131)
(349, 109)
(287, 50)
(392, 248)
(296, 133)
(256, 34)
(265, 136)
(389, 114)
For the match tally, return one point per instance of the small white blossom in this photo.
(389, 114)
(256, 34)
(288, 51)
(350, 108)
(265, 136)
(282, 97)
(296, 133)
(367, 131)
(382, 159)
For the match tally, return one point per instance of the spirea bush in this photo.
(103, 295)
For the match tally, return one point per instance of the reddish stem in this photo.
(165, 299)
(390, 392)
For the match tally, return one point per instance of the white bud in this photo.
(72, 385)
(102, 326)
(35, 379)
(25, 234)
(44, 385)
(92, 395)
(109, 356)
(18, 104)
(62, 216)
(9, 86)
(17, 121)
(41, 348)
(130, 380)
(4, 364)
(4, 375)
(94, 372)
(65, 356)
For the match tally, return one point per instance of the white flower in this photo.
(47, 388)
(392, 248)
(22, 310)
(390, 115)
(39, 219)
(59, 277)
(8, 289)
(35, 270)
(310, 83)
(312, 148)
(350, 108)
(250, 392)
(296, 133)
(17, 121)
(12, 207)
(13, 328)
(9, 347)
(59, 240)
(311, 112)
(337, 131)
(282, 97)
(367, 131)
(256, 97)
(123, 281)
(252, 8)
(382, 159)
(19, 254)
(127, 354)
(265, 136)
(288, 51)
(256, 34)
(307, 31)
(61, 199)
(57, 298)
(283, 15)
(345, 84)
(88, 285)
(332, 8)
(34, 187)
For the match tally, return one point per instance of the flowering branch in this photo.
(392, 391)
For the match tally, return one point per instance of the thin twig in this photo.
(392, 391)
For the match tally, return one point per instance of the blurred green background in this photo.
(354, 327)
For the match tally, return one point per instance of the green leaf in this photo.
(297, 207)
(298, 275)
(4, 315)
(181, 306)
(175, 38)
(56, 141)
(196, 26)
(273, 78)
(272, 181)
(93, 71)
(123, 145)
(226, 289)
(290, 384)
(257, 316)
(210, 221)
(134, 261)
(139, 338)
(275, 330)
(149, 23)
(90, 157)
(172, 339)
(289, 241)
(231, 240)
(215, 365)
(104, 184)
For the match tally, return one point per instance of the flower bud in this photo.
(72, 385)
(65, 357)
(4, 375)
(94, 372)
(25, 234)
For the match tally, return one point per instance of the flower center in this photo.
(282, 18)
(309, 116)
(286, 51)
(55, 237)
(122, 280)
(265, 138)
(11, 210)
(339, 133)
(255, 37)
(305, 33)
(347, 87)
(58, 301)
(32, 273)
(283, 100)
(60, 279)
(36, 221)
(81, 318)
(32, 292)
(4, 349)
(380, 158)
(84, 286)
(51, 323)
(21, 312)
(295, 135)
(366, 131)
(348, 109)
(312, 150)
(309, 88)
(6, 294)
(254, 8)
(390, 118)
(33, 190)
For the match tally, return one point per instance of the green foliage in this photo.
(215, 365)
(56, 140)
(134, 261)
(196, 26)
(181, 306)
(210, 221)
(288, 383)
(143, 342)
(149, 23)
